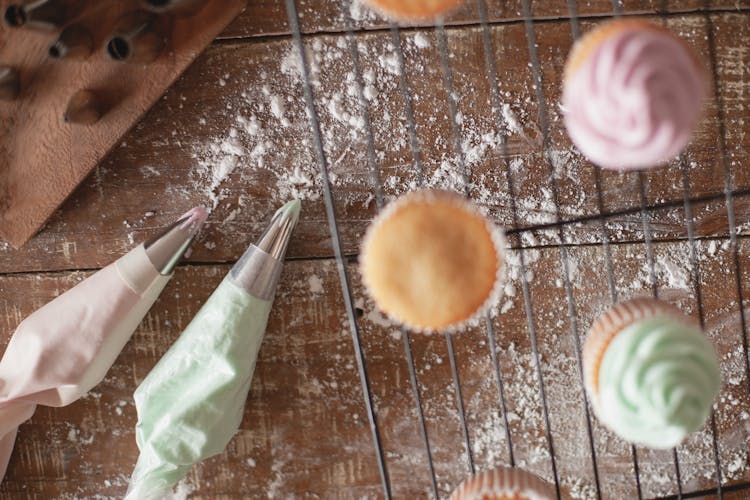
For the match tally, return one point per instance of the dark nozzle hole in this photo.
(55, 52)
(15, 15)
(118, 48)
(158, 3)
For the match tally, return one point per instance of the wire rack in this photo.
(559, 226)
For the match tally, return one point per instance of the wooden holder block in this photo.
(42, 157)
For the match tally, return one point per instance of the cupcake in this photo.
(504, 483)
(632, 95)
(650, 373)
(432, 261)
(413, 10)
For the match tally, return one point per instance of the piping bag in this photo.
(65, 348)
(191, 404)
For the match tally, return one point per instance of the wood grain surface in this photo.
(44, 157)
(232, 133)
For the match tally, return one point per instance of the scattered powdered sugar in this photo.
(75, 436)
(277, 109)
(182, 490)
(513, 275)
(511, 119)
(216, 161)
(316, 284)
(390, 63)
(421, 40)
(271, 125)
(376, 318)
(672, 269)
(301, 184)
(148, 171)
(360, 12)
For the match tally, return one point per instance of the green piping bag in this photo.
(191, 404)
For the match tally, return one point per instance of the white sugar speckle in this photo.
(376, 318)
(421, 40)
(316, 284)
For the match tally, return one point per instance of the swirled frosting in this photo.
(634, 100)
(657, 382)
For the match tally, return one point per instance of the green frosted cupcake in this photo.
(650, 373)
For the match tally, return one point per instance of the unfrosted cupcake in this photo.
(633, 94)
(432, 261)
(504, 483)
(650, 373)
(413, 10)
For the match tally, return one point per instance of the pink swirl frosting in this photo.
(635, 100)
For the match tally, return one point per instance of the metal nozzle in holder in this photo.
(176, 7)
(42, 15)
(138, 37)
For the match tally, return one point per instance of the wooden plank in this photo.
(269, 17)
(44, 157)
(233, 132)
(305, 432)
(278, 449)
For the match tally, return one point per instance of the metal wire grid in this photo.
(559, 224)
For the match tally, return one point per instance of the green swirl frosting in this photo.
(657, 382)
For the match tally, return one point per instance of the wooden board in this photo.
(305, 433)
(44, 158)
(168, 164)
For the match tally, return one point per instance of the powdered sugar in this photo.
(316, 284)
(181, 491)
(421, 41)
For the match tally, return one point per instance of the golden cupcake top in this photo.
(414, 10)
(431, 260)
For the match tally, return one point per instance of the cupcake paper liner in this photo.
(504, 483)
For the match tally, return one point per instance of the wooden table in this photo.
(233, 133)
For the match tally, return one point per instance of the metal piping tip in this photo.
(275, 239)
(166, 249)
(259, 268)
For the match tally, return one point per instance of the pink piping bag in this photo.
(65, 348)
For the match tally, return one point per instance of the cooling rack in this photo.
(559, 226)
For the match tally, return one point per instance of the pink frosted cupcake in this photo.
(632, 95)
